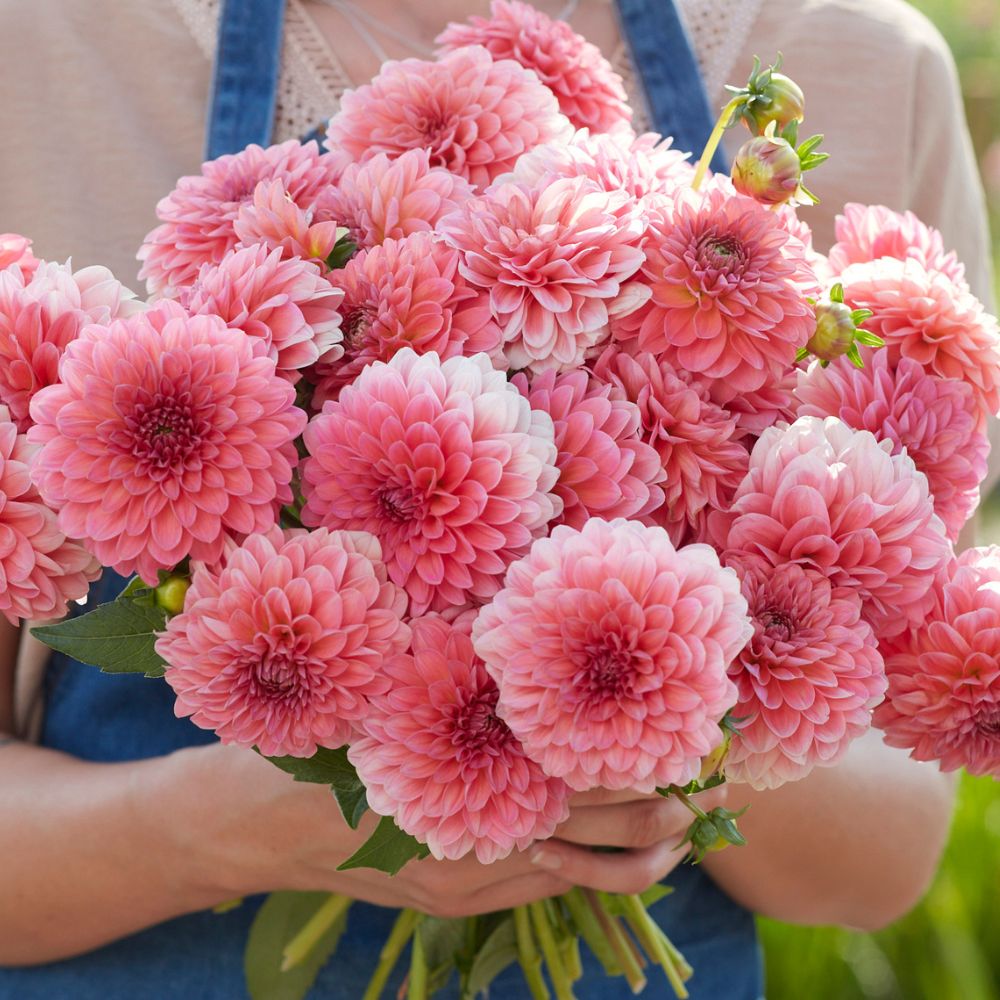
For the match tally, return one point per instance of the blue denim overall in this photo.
(116, 718)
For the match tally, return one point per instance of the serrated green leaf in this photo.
(118, 637)
(331, 767)
(387, 850)
(281, 917)
(498, 951)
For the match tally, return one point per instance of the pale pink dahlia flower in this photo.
(282, 642)
(15, 250)
(868, 232)
(771, 404)
(926, 316)
(475, 115)
(165, 436)
(438, 758)
(406, 293)
(444, 462)
(935, 420)
(286, 306)
(698, 442)
(40, 314)
(729, 287)
(610, 648)
(639, 166)
(943, 701)
(555, 260)
(837, 500)
(385, 198)
(197, 217)
(41, 569)
(590, 93)
(605, 470)
(807, 680)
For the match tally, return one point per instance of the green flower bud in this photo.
(776, 98)
(767, 169)
(837, 333)
(171, 593)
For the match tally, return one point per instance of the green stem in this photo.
(683, 967)
(713, 141)
(687, 801)
(588, 927)
(297, 950)
(553, 960)
(620, 942)
(568, 942)
(402, 931)
(527, 953)
(651, 938)
(418, 971)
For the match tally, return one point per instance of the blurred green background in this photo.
(949, 947)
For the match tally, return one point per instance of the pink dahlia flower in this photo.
(15, 251)
(935, 420)
(554, 259)
(807, 680)
(445, 463)
(406, 293)
(41, 569)
(837, 500)
(926, 316)
(165, 436)
(729, 287)
(771, 404)
(610, 648)
(473, 114)
(590, 93)
(697, 442)
(438, 758)
(198, 216)
(604, 469)
(639, 166)
(943, 701)
(868, 232)
(40, 315)
(286, 306)
(281, 643)
(385, 198)
(273, 220)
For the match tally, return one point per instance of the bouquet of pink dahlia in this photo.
(495, 453)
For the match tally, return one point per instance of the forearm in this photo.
(83, 862)
(856, 844)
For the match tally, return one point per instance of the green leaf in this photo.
(117, 637)
(387, 850)
(442, 941)
(331, 767)
(498, 951)
(654, 894)
(343, 251)
(281, 917)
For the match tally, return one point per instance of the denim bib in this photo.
(108, 718)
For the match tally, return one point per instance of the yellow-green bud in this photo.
(171, 593)
(835, 331)
(768, 169)
(779, 100)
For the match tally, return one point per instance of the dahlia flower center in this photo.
(608, 669)
(988, 723)
(355, 326)
(400, 503)
(725, 253)
(777, 624)
(477, 728)
(277, 666)
(164, 432)
(438, 129)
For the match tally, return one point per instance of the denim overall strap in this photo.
(245, 80)
(665, 62)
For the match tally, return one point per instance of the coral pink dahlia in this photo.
(475, 115)
(15, 250)
(392, 198)
(604, 469)
(807, 680)
(926, 316)
(282, 642)
(935, 420)
(610, 648)
(554, 259)
(444, 462)
(943, 702)
(165, 435)
(837, 500)
(40, 568)
(286, 306)
(868, 232)
(590, 93)
(729, 288)
(406, 293)
(197, 217)
(438, 758)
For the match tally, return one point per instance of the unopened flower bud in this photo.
(171, 593)
(837, 331)
(778, 99)
(767, 169)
